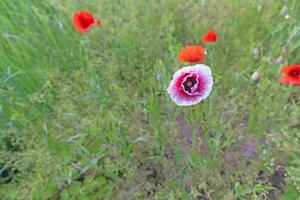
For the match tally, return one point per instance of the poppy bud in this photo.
(255, 77)
(255, 53)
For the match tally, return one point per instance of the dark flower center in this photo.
(189, 83)
(295, 74)
(85, 20)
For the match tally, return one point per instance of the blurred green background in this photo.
(87, 116)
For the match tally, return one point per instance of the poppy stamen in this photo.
(294, 74)
(189, 83)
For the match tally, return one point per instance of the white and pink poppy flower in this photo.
(190, 85)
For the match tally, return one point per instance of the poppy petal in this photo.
(192, 53)
(289, 80)
(210, 36)
(199, 87)
(84, 21)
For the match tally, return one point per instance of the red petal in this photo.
(289, 80)
(83, 21)
(210, 36)
(288, 69)
(192, 53)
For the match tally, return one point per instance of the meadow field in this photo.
(87, 116)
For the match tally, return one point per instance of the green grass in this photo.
(87, 116)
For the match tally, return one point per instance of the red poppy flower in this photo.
(210, 36)
(292, 75)
(84, 21)
(192, 53)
